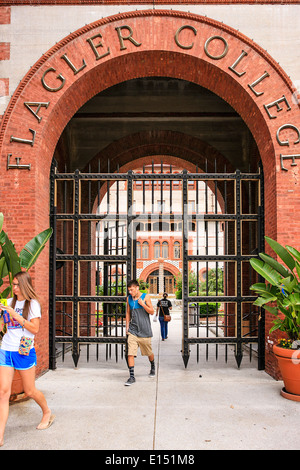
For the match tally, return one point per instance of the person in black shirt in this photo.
(163, 308)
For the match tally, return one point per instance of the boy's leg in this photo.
(131, 379)
(130, 361)
(146, 350)
(152, 362)
(132, 352)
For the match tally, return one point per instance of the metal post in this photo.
(130, 231)
(261, 248)
(52, 278)
(238, 346)
(185, 270)
(76, 352)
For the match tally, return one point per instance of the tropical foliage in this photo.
(11, 262)
(280, 294)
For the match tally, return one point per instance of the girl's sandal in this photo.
(43, 426)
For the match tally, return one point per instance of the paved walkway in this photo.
(210, 405)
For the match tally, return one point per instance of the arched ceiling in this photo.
(152, 107)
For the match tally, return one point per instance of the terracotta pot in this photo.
(289, 365)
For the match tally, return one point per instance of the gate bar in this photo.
(52, 277)
(185, 272)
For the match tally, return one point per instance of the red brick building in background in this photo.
(53, 80)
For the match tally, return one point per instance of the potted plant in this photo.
(281, 289)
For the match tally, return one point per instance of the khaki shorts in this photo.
(134, 342)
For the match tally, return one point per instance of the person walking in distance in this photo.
(138, 328)
(17, 349)
(163, 308)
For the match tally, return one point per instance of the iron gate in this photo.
(97, 217)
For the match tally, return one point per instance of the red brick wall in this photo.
(25, 194)
(4, 50)
(5, 14)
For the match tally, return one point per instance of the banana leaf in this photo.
(11, 257)
(3, 267)
(6, 293)
(274, 264)
(277, 325)
(282, 253)
(33, 248)
(266, 271)
(261, 288)
(293, 252)
(283, 306)
(2, 237)
(289, 284)
(272, 310)
(294, 299)
(1, 220)
(298, 268)
(260, 301)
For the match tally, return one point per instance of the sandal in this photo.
(41, 427)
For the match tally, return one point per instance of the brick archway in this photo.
(145, 44)
(134, 151)
(154, 266)
(151, 268)
(136, 146)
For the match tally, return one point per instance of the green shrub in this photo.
(206, 308)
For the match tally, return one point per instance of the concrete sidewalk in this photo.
(208, 406)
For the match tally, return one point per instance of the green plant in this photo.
(11, 263)
(143, 285)
(192, 283)
(282, 288)
(206, 287)
(214, 282)
(206, 309)
(112, 289)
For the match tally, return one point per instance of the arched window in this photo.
(138, 249)
(176, 250)
(165, 250)
(156, 250)
(145, 250)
